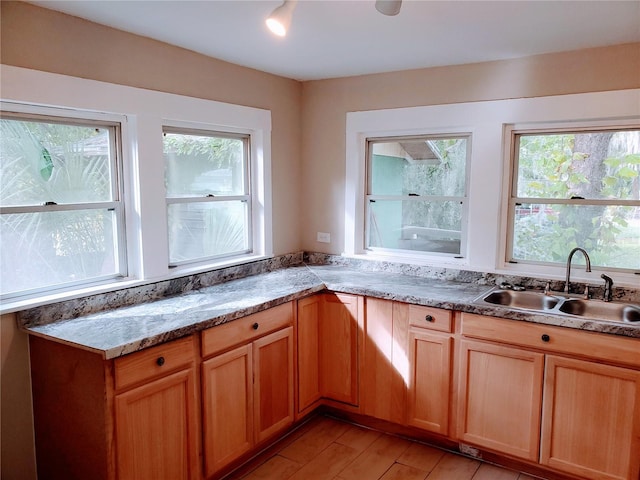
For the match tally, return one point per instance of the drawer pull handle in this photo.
(545, 337)
(160, 361)
(429, 318)
(255, 326)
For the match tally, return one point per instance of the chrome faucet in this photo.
(608, 288)
(588, 269)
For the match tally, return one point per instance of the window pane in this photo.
(51, 249)
(53, 162)
(421, 167)
(546, 233)
(199, 165)
(594, 165)
(203, 229)
(415, 225)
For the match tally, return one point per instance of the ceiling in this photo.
(338, 38)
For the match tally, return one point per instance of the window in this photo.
(576, 188)
(416, 194)
(61, 215)
(208, 195)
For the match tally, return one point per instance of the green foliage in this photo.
(549, 168)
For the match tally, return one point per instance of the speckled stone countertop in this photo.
(117, 331)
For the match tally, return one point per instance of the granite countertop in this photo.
(123, 330)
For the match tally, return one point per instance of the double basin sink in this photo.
(539, 302)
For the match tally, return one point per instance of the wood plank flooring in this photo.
(330, 449)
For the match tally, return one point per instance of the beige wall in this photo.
(308, 138)
(325, 104)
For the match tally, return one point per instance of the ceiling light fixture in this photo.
(279, 20)
(388, 7)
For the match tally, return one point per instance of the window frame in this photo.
(246, 198)
(512, 135)
(369, 197)
(113, 123)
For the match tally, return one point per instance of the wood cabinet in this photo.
(157, 421)
(309, 311)
(130, 418)
(340, 337)
(589, 417)
(329, 348)
(500, 395)
(430, 365)
(247, 392)
(386, 364)
(227, 388)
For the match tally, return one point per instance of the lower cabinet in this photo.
(386, 367)
(227, 388)
(133, 417)
(500, 395)
(532, 401)
(430, 368)
(156, 431)
(247, 392)
(329, 348)
(191, 408)
(591, 419)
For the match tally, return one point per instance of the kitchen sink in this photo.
(534, 301)
(598, 309)
(527, 300)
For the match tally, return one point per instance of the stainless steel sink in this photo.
(527, 300)
(533, 301)
(619, 312)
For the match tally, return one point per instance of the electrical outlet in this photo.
(324, 237)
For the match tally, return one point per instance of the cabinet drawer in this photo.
(246, 329)
(153, 362)
(431, 318)
(616, 349)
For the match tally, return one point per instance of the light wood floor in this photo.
(329, 449)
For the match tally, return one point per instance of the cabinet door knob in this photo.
(545, 337)
(429, 318)
(255, 326)
(160, 361)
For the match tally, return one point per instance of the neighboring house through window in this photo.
(416, 194)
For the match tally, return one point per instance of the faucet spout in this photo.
(569, 258)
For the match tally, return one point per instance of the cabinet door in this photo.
(339, 333)
(156, 429)
(308, 354)
(500, 398)
(227, 397)
(273, 383)
(591, 419)
(383, 379)
(430, 380)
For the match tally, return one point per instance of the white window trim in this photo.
(488, 187)
(145, 112)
